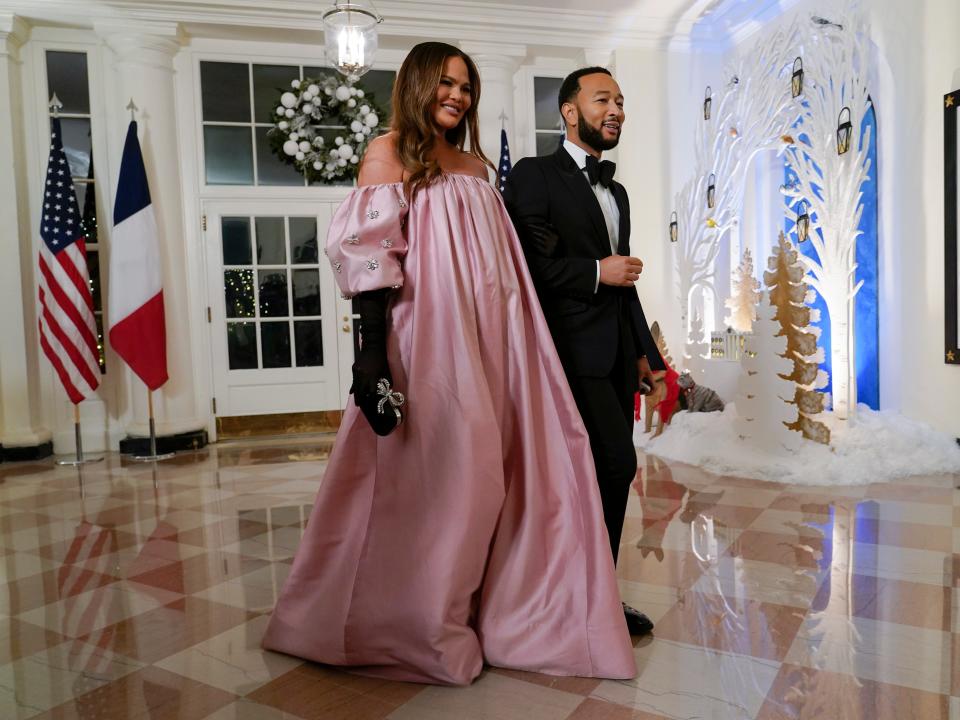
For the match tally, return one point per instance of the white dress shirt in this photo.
(608, 204)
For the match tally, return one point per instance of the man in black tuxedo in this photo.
(573, 220)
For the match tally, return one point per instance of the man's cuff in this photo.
(596, 285)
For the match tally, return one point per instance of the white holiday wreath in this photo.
(299, 115)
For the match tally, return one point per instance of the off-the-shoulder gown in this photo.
(474, 532)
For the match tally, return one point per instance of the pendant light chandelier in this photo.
(350, 37)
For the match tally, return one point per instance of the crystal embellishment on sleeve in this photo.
(337, 265)
(373, 214)
(387, 243)
(353, 239)
(372, 264)
(403, 203)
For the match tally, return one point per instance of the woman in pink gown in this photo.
(473, 532)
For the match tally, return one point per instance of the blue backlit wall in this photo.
(867, 322)
(867, 303)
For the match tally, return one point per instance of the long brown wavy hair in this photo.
(414, 94)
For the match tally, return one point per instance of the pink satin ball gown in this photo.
(474, 533)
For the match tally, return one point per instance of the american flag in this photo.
(68, 332)
(505, 164)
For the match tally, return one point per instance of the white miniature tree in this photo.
(746, 294)
(696, 349)
(763, 396)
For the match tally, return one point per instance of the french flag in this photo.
(137, 327)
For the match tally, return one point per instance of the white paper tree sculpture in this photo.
(744, 297)
(828, 177)
(764, 412)
(753, 113)
(792, 296)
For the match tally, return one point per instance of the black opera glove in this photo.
(370, 365)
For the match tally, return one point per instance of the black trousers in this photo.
(606, 406)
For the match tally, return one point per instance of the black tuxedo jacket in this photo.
(563, 233)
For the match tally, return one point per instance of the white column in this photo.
(19, 391)
(497, 65)
(143, 57)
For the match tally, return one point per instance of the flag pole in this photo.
(153, 456)
(79, 459)
(55, 106)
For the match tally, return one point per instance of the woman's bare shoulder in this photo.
(381, 164)
(474, 165)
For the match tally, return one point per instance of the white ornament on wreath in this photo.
(317, 103)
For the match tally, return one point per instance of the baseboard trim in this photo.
(193, 440)
(26, 453)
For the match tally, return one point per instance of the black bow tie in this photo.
(600, 171)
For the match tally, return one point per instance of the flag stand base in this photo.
(79, 459)
(154, 456)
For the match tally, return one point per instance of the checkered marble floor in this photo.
(141, 592)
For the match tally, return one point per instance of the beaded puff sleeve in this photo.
(366, 241)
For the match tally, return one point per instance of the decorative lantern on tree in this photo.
(707, 103)
(803, 222)
(674, 228)
(796, 82)
(712, 191)
(844, 130)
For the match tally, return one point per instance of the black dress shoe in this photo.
(637, 622)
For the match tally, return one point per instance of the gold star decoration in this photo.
(949, 101)
(950, 356)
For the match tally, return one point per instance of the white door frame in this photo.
(277, 390)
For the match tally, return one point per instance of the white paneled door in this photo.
(280, 334)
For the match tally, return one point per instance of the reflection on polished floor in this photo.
(145, 596)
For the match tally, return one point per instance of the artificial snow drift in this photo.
(873, 447)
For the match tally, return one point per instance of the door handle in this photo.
(346, 328)
(346, 318)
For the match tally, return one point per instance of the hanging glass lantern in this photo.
(844, 131)
(712, 191)
(803, 222)
(674, 228)
(707, 102)
(797, 81)
(350, 36)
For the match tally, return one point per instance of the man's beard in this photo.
(594, 136)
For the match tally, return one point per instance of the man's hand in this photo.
(620, 271)
(646, 374)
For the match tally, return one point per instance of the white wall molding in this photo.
(405, 18)
(14, 32)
